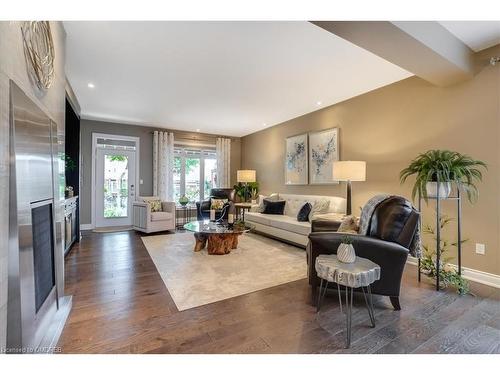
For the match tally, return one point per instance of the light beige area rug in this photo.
(195, 279)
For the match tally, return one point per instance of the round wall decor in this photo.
(39, 52)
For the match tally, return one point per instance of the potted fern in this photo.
(447, 167)
(448, 275)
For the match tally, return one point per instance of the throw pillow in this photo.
(217, 204)
(155, 205)
(303, 214)
(274, 207)
(350, 224)
(319, 207)
(260, 206)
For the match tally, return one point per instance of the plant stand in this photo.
(438, 200)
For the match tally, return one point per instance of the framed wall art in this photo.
(323, 151)
(296, 160)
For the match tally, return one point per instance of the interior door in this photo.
(115, 187)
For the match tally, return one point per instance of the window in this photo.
(195, 173)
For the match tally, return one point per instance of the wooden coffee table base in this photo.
(217, 244)
(200, 241)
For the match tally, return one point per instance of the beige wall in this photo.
(390, 126)
(13, 66)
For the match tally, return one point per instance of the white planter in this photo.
(444, 189)
(346, 253)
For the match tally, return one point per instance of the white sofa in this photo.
(148, 222)
(286, 227)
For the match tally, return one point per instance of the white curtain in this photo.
(223, 151)
(163, 165)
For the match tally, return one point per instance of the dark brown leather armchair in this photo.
(203, 207)
(392, 227)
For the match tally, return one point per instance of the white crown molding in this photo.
(481, 277)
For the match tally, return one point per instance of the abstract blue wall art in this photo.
(323, 151)
(296, 160)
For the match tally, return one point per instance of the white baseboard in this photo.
(86, 226)
(472, 275)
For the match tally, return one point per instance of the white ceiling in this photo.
(478, 35)
(230, 78)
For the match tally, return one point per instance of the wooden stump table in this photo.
(219, 239)
(220, 244)
(216, 244)
(359, 274)
(200, 241)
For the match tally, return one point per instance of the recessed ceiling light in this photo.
(318, 103)
(90, 85)
(264, 124)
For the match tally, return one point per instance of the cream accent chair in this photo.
(147, 221)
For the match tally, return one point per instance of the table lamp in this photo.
(245, 176)
(349, 171)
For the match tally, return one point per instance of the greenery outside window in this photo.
(195, 173)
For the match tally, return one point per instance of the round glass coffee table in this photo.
(219, 238)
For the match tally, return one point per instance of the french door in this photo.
(115, 190)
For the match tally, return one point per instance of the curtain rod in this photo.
(193, 137)
(194, 144)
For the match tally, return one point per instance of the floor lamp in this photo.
(349, 171)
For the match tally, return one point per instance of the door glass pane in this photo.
(193, 179)
(210, 176)
(177, 178)
(115, 186)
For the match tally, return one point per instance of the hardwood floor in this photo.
(120, 305)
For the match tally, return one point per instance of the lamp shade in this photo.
(349, 170)
(245, 175)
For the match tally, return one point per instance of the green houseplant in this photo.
(448, 276)
(245, 192)
(446, 167)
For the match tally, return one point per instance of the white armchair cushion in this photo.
(168, 207)
(161, 216)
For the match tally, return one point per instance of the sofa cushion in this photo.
(303, 214)
(295, 201)
(161, 216)
(290, 224)
(274, 207)
(280, 221)
(294, 204)
(329, 216)
(258, 217)
(320, 206)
